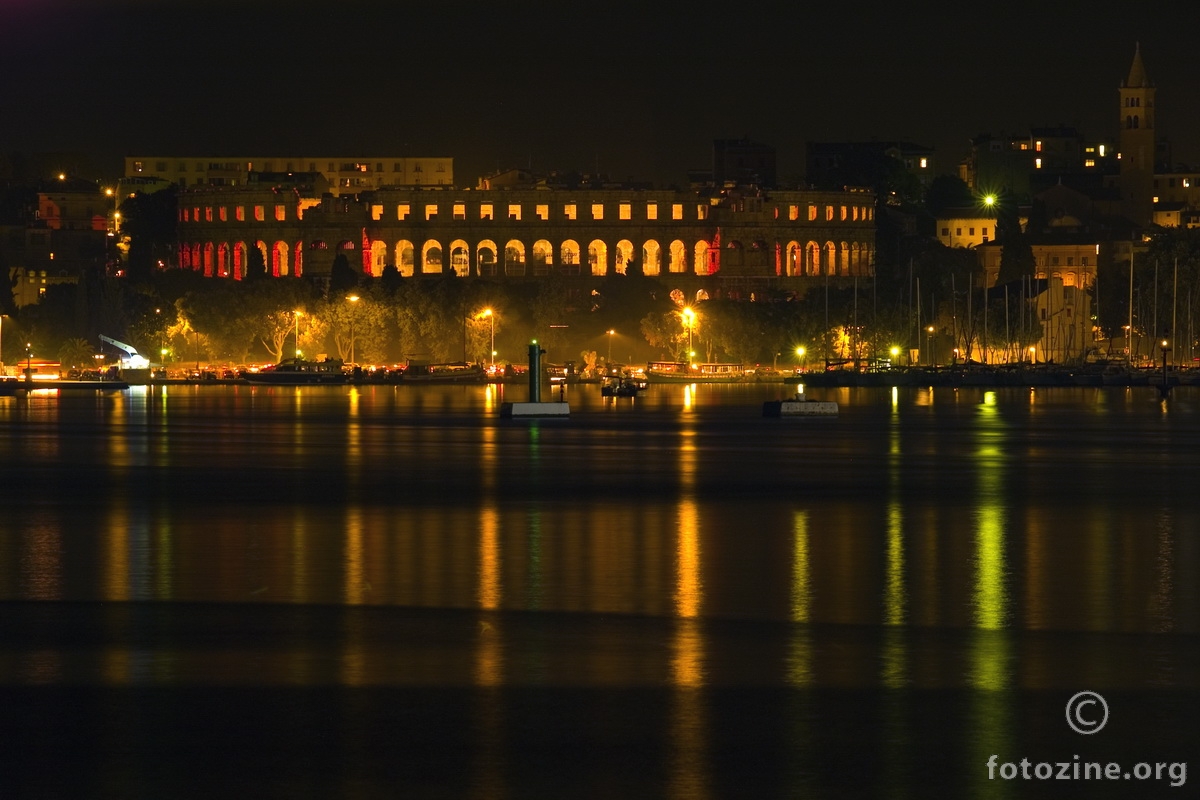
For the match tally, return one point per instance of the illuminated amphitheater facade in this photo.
(528, 233)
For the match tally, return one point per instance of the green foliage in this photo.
(76, 354)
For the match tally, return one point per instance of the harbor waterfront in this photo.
(389, 591)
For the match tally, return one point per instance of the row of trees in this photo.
(920, 285)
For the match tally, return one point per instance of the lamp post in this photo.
(1165, 389)
(491, 318)
(929, 345)
(689, 319)
(2, 316)
(297, 315)
(608, 359)
(800, 351)
(353, 299)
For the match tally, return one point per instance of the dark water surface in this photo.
(391, 592)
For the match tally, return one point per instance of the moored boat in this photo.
(621, 387)
(296, 372)
(450, 372)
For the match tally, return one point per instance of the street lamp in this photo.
(800, 351)
(298, 315)
(609, 333)
(689, 319)
(353, 299)
(929, 345)
(491, 318)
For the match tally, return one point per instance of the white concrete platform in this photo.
(800, 407)
(526, 410)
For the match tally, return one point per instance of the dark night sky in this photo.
(639, 89)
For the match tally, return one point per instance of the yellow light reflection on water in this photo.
(488, 650)
(688, 583)
(490, 397)
(687, 460)
(490, 590)
(989, 659)
(799, 665)
(689, 724)
(116, 541)
(354, 581)
(990, 595)
(895, 597)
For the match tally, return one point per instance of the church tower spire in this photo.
(1136, 142)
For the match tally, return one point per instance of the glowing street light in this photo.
(491, 318)
(610, 333)
(298, 315)
(353, 299)
(689, 320)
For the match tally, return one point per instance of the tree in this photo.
(151, 222)
(76, 354)
(256, 265)
(946, 192)
(1016, 259)
(342, 277)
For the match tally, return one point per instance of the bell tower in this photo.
(1136, 142)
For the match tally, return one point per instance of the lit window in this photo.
(812, 213)
(924, 163)
(569, 211)
(1089, 162)
(701, 212)
(597, 211)
(1187, 182)
(651, 210)
(460, 210)
(542, 212)
(514, 211)
(1154, 199)
(1101, 151)
(431, 210)
(377, 212)
(1037, 146)
(223, 213)
(828, 213)
(259, 214)
(402, 211)
(240, 213)
(677, 211)
(1037, 163)
(485, 211)
(280, 213)
(624, 211)
(844, 214)
(793, 212)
